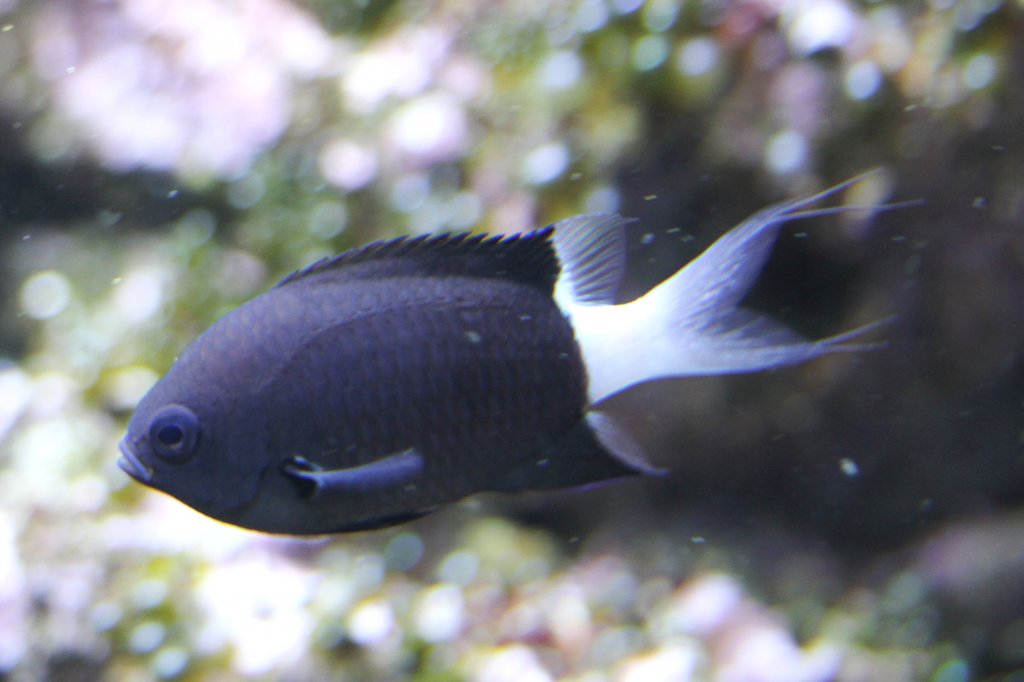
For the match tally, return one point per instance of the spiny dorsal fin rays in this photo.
(592, 252)
(528, 258)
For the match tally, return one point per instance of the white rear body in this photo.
(691, 323)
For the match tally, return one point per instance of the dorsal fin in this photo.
(528, 258)
(592, 251)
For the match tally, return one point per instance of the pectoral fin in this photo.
(313, 480)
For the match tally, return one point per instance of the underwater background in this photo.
(860, 517)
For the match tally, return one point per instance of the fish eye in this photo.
(174, 433)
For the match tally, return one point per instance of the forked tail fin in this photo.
(691, 323)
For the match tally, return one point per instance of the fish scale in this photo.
(381, 369)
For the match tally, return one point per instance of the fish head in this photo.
(199, 434)
(214, 455)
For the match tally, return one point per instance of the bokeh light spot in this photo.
(786, 152)
(246, 192)
(15, 394)
(149, 593)
(440, 613)
(403, 552)
(433, 128)
(545, 163)
(347, 164)
(863, 79)
(459, 567)
(659, 15)
(513, 663)
(146, 637)
(591, 15)
(650, 52)
(603, 199)
(697, 57)
(170, 662)
(979, 71)
(464, 210)
(328, 219)
(125, 386)
(371, 623)
(820, 25)
(410, 192)
(560, 71)
(45, 294)
(627, 6)
(666, 664)
(105, 616)
(139, 294)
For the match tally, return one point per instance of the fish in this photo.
(379, 385)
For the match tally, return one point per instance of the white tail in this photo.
(690, 324)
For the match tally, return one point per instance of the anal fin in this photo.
(594, 450)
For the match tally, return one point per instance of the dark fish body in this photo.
(382, 384)
(479, 373)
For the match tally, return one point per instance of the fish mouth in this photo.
(132, 465)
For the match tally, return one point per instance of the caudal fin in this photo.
(690, 324)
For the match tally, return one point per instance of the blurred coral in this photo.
(200, 86)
